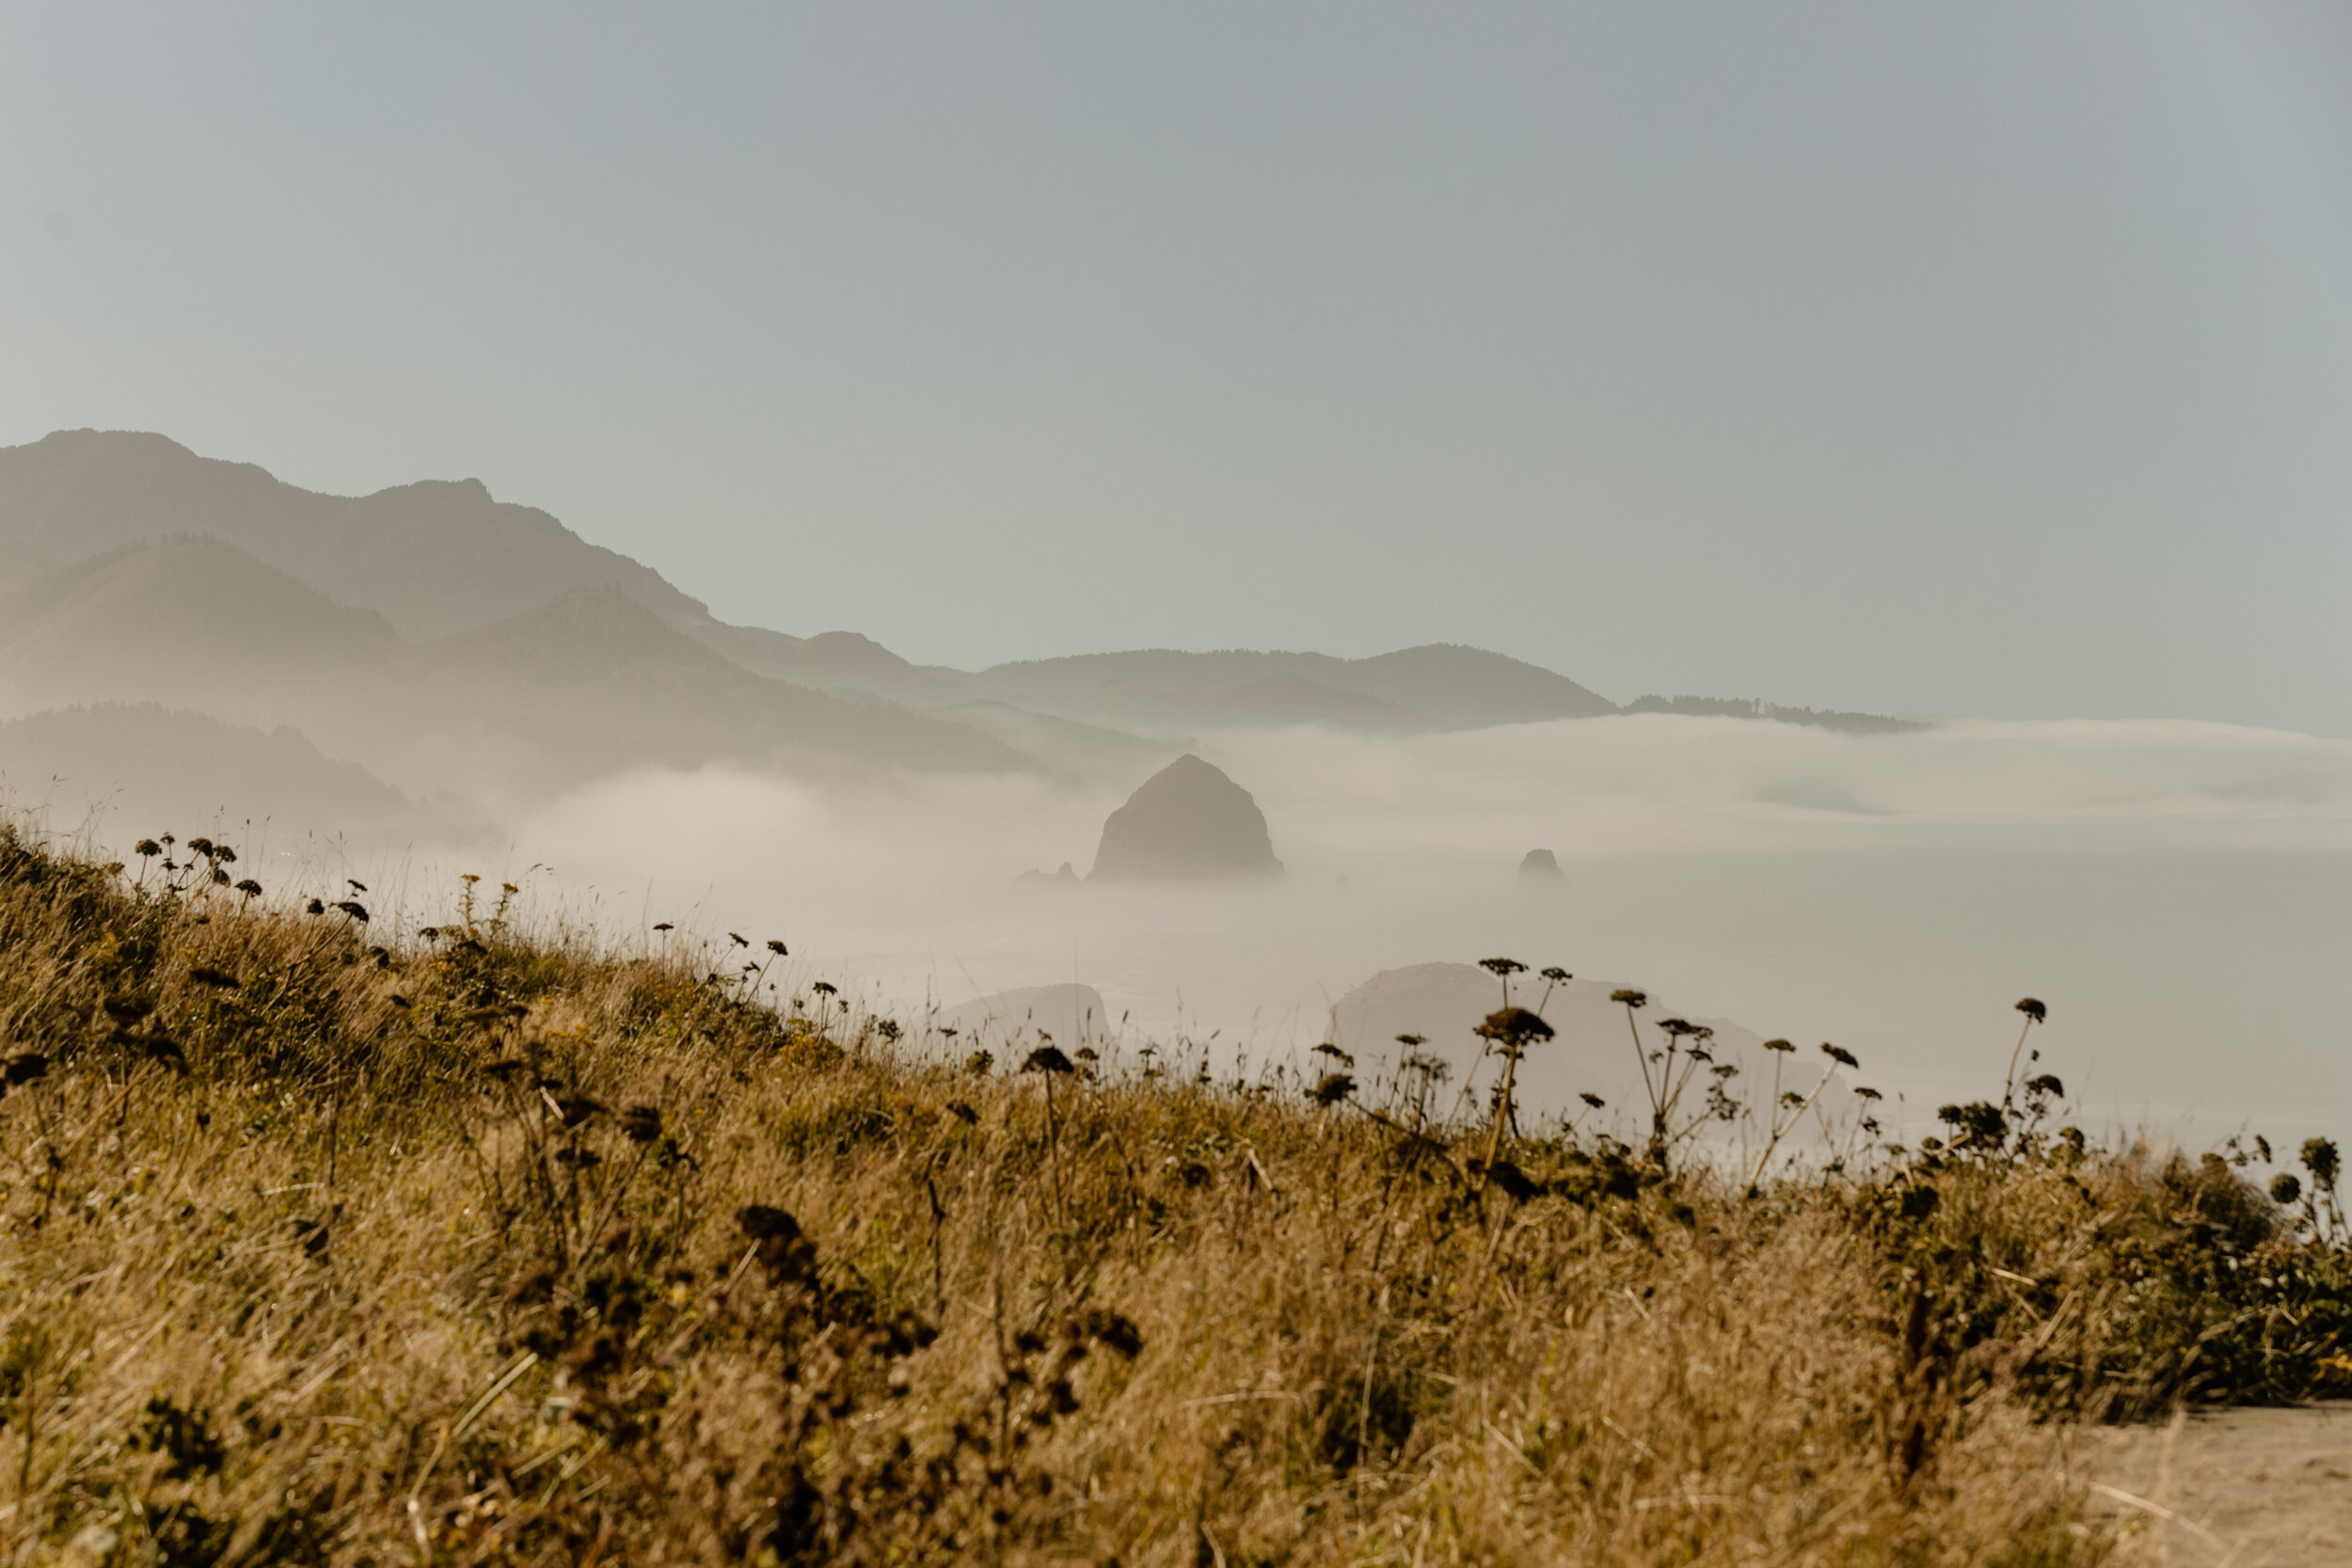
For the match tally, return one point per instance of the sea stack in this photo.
(1188, 820)
(1540, 866)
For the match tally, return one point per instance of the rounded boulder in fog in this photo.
(1188, 820)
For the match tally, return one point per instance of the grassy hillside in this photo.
(488, 1243)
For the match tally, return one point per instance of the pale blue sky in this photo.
(1983, 359)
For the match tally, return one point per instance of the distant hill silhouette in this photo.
(264, 588)
(176, 622)
(433, 557)
(1071, 1015)
(1750, 707)
(833, 661)
(142, 769)
(1440, 686)
(584, 685)
(598, 684)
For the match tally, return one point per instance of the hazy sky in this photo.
(1989, 360)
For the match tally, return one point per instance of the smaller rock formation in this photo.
(1065, 876)
(1540, 866)
(1188, 820)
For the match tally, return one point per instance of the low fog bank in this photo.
(2180, 893)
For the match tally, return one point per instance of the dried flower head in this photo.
(1556, 975)
(1591, 1099)
(1047, 1058)
(1503, 967)
(1781, 1046)
(775, 945)
(2321, 1159)
(2285, 1188)
(1432, 1069)
(147, 847)
(1630, 998)
(1331, 1088)
(2033, 1009)
(1513, 1027)
(577, 1110)
(1839, 1054)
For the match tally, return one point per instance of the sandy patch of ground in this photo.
(2246, 1488)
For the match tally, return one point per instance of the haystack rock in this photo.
(1540, 866)
(1188, 820)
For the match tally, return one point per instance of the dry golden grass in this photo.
(490, 1248)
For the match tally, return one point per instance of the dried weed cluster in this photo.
(499, 1247)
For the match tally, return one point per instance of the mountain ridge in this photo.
(438, 558)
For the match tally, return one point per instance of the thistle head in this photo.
(1513, 1027)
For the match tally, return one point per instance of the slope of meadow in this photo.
(498, 1244)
